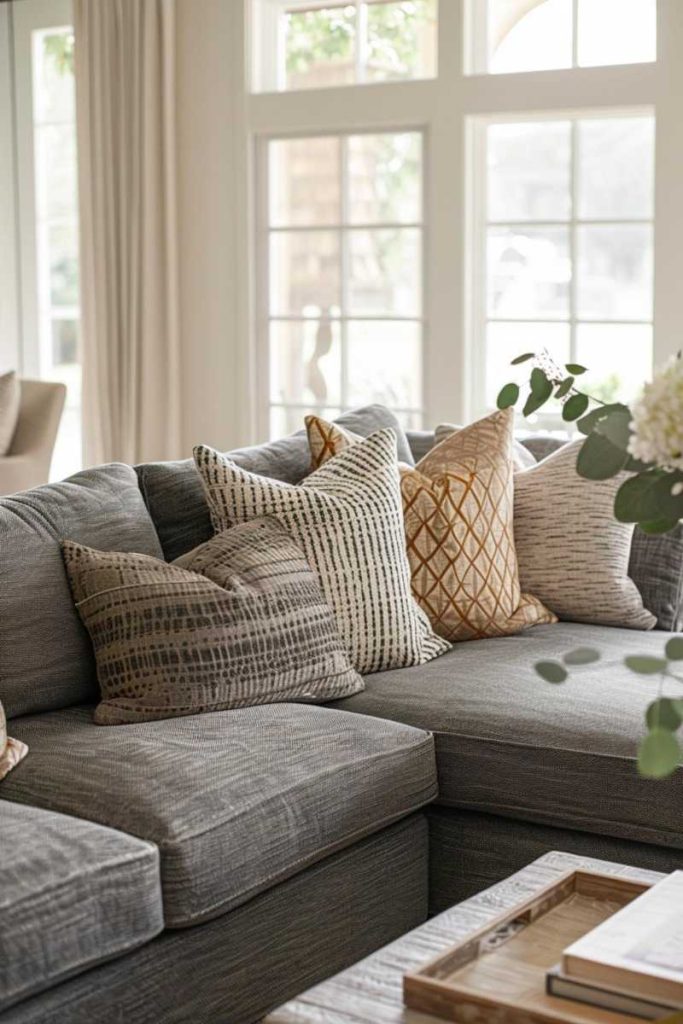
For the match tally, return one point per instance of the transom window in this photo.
(344, 292)
(534, 35)
(568, 224)
(306, 44)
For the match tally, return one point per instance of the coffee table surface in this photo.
(371, 991)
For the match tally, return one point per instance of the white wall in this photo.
(213, 274)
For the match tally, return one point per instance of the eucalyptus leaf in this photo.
(539, 383)
(535, 402)
(599, 459)
(589, 422)
(646, 497)
(522, 359)
(507, 396)
(581, 656)
(575, 368)
(657, 526)
(645, 664)
(674, 648)
(664, 714)
(637, 465)
(616, 427)
(659, 754)
(575, 407)
(551, 671)
(636, 498)
(565, 387)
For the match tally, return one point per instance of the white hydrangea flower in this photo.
(657, 423)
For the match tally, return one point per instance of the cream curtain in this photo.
(125, 93)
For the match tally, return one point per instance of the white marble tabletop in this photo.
(371, 992)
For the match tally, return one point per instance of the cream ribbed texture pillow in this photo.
(11, 751)
(347, 519)
(10, 399)
(572, 552)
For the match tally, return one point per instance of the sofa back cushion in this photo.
(46, 659)
(175, 498)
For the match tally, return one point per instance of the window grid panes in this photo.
(344, 296)
(535, 35)
(569, 248)
(313, 44)
(54, 132)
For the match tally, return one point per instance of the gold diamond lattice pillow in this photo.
(347, 519)
(458, 518)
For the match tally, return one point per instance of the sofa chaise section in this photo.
(72, 895)
(512, 746)
(236, 801)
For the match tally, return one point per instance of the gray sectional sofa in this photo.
(206, 868)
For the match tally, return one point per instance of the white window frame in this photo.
(479, 224)
(268, 38)
(264, 318)
(28, 18)
(443, 108)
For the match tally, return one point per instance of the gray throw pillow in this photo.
(46, 659)
(239, 621)
(173, 492)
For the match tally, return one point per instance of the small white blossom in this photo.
(657, 423)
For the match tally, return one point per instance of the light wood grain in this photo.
(371, 992)
(503, 967)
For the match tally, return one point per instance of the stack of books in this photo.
(632, 963)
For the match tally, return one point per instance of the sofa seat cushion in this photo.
(236, 800)
(72, 894)
(508, 743)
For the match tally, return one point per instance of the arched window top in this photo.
(534, 35)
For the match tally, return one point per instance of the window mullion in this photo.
(573, 247)
(344, 267)
(360, 53)
(575, 33)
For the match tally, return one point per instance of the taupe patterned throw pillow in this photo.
(572, 553)
(348, 519)
(240, 620)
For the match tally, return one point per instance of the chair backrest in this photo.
(40, 412)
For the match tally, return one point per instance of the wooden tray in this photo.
(497, 975)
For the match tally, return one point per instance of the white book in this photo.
(639, 949)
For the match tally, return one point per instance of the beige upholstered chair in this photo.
(27, 463)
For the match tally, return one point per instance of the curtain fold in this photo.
(126, 118)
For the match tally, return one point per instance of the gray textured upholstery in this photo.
(47, 659)
(469, 851)
(234, 969)
(174, 494)
(656, 567)
(421, 442)
(508, 743)
(72, 894)
(235, 800)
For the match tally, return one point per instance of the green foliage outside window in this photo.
(59, 48)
